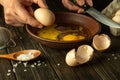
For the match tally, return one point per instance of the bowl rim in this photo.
(55, 41)
(49, 40)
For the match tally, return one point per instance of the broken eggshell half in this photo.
(70, 58)
(83, 54)
(101, 42)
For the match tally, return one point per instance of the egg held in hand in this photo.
(45, 16)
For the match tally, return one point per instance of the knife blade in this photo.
(98, 15)
(102, 18)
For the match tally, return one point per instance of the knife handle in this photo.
(85, 6)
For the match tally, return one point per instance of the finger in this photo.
(10, 17)
(80, 2)
(68, 4)
(18, 24)
(27, 3)
(41, 3)
(12, 21)
(24, 16)
(89, 2)
(29, 8)
(80, 10)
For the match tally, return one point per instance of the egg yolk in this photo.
(70, 37)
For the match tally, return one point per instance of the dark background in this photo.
(101, 4)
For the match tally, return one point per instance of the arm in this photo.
(20, 12)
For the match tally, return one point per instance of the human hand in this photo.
(71, 6)
(20, 12)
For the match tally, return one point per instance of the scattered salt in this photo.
(39, 64)
(113, 54)
(38, 61)
(8, 74)
(35, 63)
(25, 64)
(115, 58)
(19, 62)
(58, 64)
(20, 37)
(108, 59)
(25, 70)
(9, 70)
(45, 64)
(24, 57)
(15, 65)
(32, 65)
(14, 70)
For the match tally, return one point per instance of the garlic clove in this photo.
(101, 42)
(70, 58)
(84, 54)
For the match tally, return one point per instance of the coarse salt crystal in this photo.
(25, 64)
(38, 61)
(39, 64)
(108, 59)
(9, 70)
(8, 74)
(32, 65)
(24, 57)
(25, 70)
(15, 65)
(14, 70)
(20, 37)
(115, 58)
(113, 54)
(58, 64)
(45, 64)
(35, 63)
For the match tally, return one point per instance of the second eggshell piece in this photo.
(84, 54)
(101, 42)
(70, 58)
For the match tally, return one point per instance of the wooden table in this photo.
(51, 64)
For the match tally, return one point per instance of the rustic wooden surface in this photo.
(51, 64)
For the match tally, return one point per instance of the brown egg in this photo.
(44, 16)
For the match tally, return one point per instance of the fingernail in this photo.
(80, 10)
(40, 26)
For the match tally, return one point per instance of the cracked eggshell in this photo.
(101, 42)
(117, 12)
(84, 54)
(45, 16)
(116, 18)
(70, 58)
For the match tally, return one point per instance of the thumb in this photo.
(89, 2)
